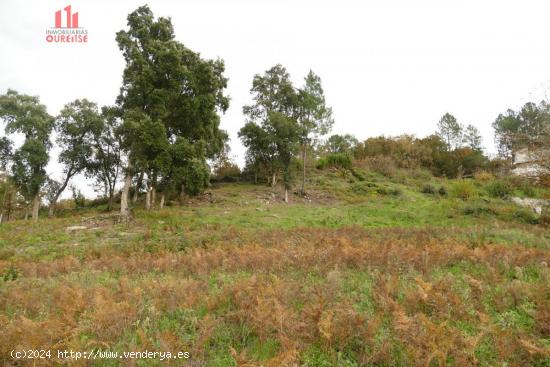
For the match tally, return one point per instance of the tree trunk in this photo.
(274, 179)
(124, 210)
(303, 189)
(27, 212)
(3, 203)
(153, 197)
(110, 203)
(35, 206)
(8, 214)
(148, 199)
(286, 195)
(138, 187)
(51, 210)
(161, 205)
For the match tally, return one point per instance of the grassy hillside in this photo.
(365, 270)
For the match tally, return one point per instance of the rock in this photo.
(72, 229)
(534, 204)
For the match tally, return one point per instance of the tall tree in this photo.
(104, 164)
(523, 129)
(24, 114)
(506, 127)
(472, 137)
(272, 92)
(314, 117)
(285, 134)
(450, 131)
(170, 85)
(261, 152)
(76, 126)
(271, 132)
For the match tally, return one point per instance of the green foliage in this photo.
(450, 131)
(104, 165)
(335, 160)
(499, 189)
(428, 189)
(78, 198)
(11, 274)
(24, 114)
(339, 144)
(196, 176)
(527, 127)
(463, 189)
(169, 94)
(272, 134)
(6, 150)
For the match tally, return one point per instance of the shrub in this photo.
(335, 160)
(463, 190)
(526, 216)
(442, 191)
(386, 166)
(483, 176)
(358, 175)
(477, 210)
(428, 189)
(78, 197)
(499, 189)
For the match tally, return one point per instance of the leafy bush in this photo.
(463, 189)
(526, 216)
(499, 189)
(477, 210)
(428, 189)
(392, 191)
(78, 197)
(358, 175)
(442, 191)
(483, 176)
(10, 274)
(336, 160)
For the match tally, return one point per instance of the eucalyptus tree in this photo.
(271, 133)
(166, 84)
(104, 164)
(285, 134)
(272, 92)
(77, 125)
(25, 115)
(314, 117)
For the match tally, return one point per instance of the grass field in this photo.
(369, 272)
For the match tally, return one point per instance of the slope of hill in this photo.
(365, 270)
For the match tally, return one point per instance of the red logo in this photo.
(70, 32)
(72, 20)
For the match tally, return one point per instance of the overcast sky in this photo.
(388, 67)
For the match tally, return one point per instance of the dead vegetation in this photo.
(406, 298)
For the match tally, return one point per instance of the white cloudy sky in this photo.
(388, 66)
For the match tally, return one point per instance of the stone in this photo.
(72, 229)
(534, 204)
